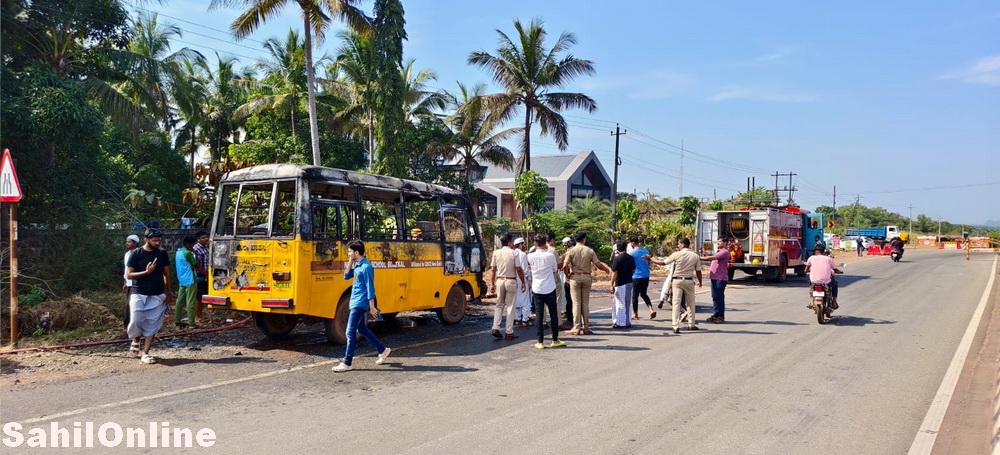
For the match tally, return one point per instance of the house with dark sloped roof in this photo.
(570, 177)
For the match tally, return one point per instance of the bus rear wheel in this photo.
(336, 328)
(275, 326)
(454, 306)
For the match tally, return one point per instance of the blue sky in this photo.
(882, 99)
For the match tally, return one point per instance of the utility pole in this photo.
(910, 229)
(617, 133)
(834, 215)
(682, 169)
(790, 189)
(939, 233)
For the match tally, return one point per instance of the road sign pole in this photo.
(13, 273)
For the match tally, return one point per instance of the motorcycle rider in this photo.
(821, 269)
(897, 246)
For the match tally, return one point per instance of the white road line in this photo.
(923, 443)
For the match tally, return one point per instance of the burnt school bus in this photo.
(280, 235)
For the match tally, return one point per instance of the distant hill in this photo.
(992, 223)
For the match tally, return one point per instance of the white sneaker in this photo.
(342, 367)
(148, 359)
(134, 347)
(384, 355)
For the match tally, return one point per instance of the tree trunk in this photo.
(526, 165)
(311, 83)
(193, 148)
(371, 139)
(292, 112)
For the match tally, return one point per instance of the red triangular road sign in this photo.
(10, 189)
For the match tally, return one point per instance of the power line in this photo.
(161, 13)
(934, 188)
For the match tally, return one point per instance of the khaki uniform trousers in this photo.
(506, 293)
(683, 290)
(579, 289)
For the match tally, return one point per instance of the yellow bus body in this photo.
(408, 276)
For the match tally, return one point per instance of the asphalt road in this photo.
(770, 380)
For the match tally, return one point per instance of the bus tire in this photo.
(454, 306)
(336, 329)
(275, 326)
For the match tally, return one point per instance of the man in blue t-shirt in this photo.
(362, 302)
(640, 278)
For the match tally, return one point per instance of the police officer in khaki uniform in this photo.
(687, 265)
(507, 273)
(579, 263)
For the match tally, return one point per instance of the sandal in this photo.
(652, 315)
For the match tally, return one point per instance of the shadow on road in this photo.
(729, 322)
(421, 368)
(610, 348)
(793, 281)
(857, 321)
(175, 361)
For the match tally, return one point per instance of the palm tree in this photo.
(475, 140)
(227, 91)
(190, 95)
(157, 69)
(284, 82)
(527, 71)
(316, 17)
(419, 103)
(356, 74)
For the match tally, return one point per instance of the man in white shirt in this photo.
(131, 243)
(522, 303)
(544, 271)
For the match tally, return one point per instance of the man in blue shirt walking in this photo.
(362, 301)
(640, 278)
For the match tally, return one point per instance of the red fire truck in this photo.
(769, 240)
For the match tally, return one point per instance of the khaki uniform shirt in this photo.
(504, 263)
(582, 259)
(686, 262)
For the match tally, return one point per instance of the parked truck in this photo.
(766, 240)
(882, 233)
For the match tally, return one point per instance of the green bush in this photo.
(34, 296)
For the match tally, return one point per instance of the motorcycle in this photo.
(896, 255)
(822, 301)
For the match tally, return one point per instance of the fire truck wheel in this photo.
(275, 326)
(732, 273)
(454, 306)
(336, 328)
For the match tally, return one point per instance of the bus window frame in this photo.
(339, 236)
(399, 208)
(270, 210)
(436, 198)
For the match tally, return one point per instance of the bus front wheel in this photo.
(336, 328)
(454, 306)
(275, 326)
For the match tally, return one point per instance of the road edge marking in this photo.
(923, 442)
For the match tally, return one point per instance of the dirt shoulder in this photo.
(970, 425)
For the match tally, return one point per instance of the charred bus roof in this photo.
(311, 173)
